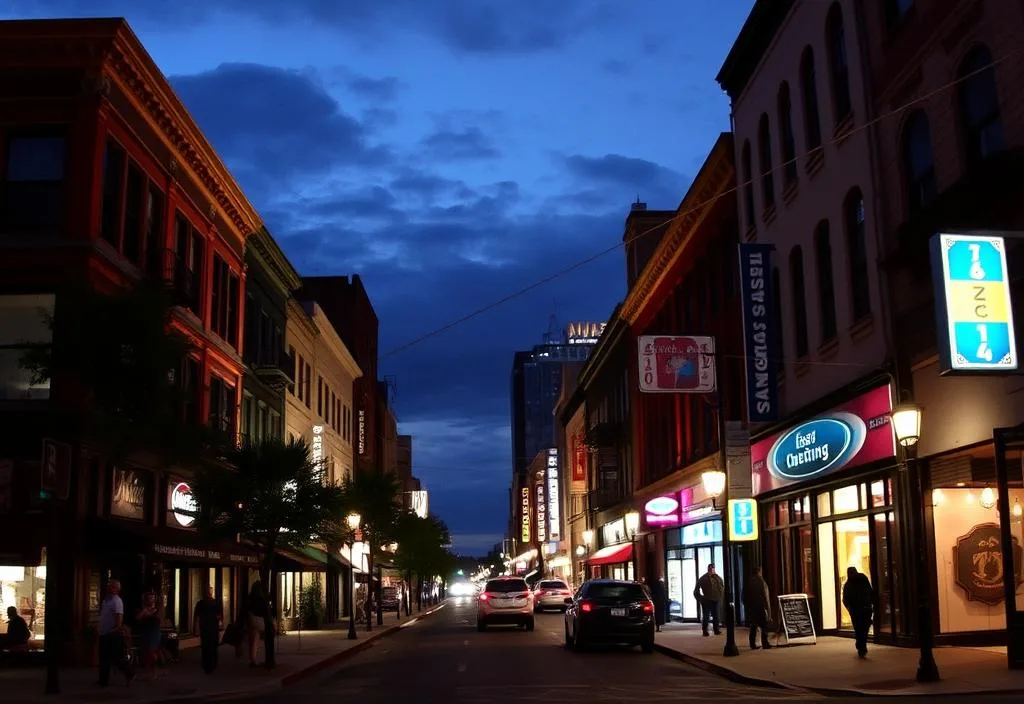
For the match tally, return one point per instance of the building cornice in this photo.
(715, 177)
(270, 257)
(298, 315)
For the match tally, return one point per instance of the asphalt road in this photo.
(443, 659)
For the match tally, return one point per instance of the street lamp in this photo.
(354, 520)
(716, 484)
(632, 526)
(906, 424)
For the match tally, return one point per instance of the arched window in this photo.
(826, 282)
(838, 65)
(918, 167)
(809, 96)
(796, 276)
(780, 345)
(786, 139)
(764, 153)
(857, 251)
(980, 121)
(748, 186)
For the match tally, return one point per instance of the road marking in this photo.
(409, 622)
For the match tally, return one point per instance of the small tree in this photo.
(421, 548)
(274, 496)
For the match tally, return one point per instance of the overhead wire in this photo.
(739, 186)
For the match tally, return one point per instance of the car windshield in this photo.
(507, 585)
(616, 592)
(552, 585)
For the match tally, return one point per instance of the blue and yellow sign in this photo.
(742, 520)
(972, 300)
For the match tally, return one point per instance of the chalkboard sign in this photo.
(797, 623)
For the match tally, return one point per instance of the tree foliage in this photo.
(374, 495)
(421, 545)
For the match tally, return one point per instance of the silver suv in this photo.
(505, 600)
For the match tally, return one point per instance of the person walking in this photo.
(147, 623)
(256, 606)
(206, 622)
(659, 596)
(758, 603)
(859, 600)
(709, 592)
(114, 637)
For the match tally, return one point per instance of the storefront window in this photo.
(845, 500)
(824, 505)
(24, 588)
(685, 563)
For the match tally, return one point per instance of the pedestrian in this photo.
(859, 600)
(114, 637)
(147, 624)
(18, 634)
(256, 606)
(660, 598)
(206, 622)
(709, 592)
(758, 603)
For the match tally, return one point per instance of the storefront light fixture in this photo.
(714, 483)
(354, 519)
(632, 523)
(988, 497)
(581, 551)
(906, 422)
(1017, 510)
(588, 537)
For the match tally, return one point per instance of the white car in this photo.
(505, 600)
(550, 594)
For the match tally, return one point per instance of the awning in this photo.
(612, 554)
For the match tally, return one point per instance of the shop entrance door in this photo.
(689, 578)
(853, 549)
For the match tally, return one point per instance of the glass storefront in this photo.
(811, 539)
(689, 551)
(25, 589)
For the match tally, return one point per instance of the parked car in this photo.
(610, 611)
(550, 594)
(505, 600)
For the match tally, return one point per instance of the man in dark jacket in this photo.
(859, 600)
(759, 607)
(659, 596)
(709, 592)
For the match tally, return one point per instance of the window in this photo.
(917, 162)
(292, 362)
(188, 264)
(222, 405)
(32, 193)
(748, 186)
(224, 300)
(857, 249)
(246, 422)
(895, 11)
(826, 284)
(251, 348)
(980, 122)
(809, 91)
(300, 377)
(764, 153)
(786, 138)
(838, 64)
(134, 207)
(22, 324)
(154, 227)
(308, 383)
(796, 275)
(114, 161)
(320, 396)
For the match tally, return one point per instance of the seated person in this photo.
(17, 631)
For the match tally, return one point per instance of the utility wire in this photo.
(700, 206)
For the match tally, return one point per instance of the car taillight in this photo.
(648, 607)
(586, 606)
(483, 597)
(541, 592)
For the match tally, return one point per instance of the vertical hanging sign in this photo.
(760, 345)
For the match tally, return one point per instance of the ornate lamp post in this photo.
(716, 484)
(632, 520)
(906, 423)
(354, 519)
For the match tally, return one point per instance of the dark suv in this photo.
(610, 611)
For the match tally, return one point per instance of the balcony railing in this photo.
(276, 371)
(181, 281)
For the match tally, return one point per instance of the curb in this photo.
(740, 678)
(311, 669)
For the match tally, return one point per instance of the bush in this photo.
(311, 607)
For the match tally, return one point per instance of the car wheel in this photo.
(529, 625)
(481, 626)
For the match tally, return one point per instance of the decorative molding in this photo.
(266, 251)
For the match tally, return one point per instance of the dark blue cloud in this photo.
(459, 144)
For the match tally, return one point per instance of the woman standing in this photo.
(257, 608)
(147, 624)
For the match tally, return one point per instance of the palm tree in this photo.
(373, 494)
(274, 496)
(421, 549)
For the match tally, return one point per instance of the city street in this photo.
(444, 659)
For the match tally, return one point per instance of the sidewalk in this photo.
(299, 655)
(831, 667)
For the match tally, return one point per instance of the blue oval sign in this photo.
(818, 446)
(661, 506)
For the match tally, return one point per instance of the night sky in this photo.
(451, 152)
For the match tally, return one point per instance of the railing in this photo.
(182, 282)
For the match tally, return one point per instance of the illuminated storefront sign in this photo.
(579, 458)
(183, 504)
(973, 309)
(554, 510)
(759, 331)
(361, 433)
(669, 509)
(525, 508)
(584, 333)
(419, 503)
(853, 434)
(542, 512)
(676, 364)
(317, 448)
